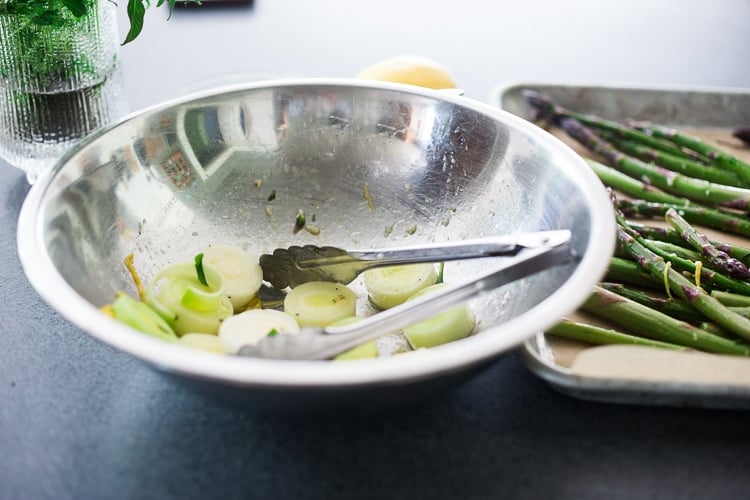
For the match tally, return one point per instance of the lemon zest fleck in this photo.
(665, 274)
(698, 269)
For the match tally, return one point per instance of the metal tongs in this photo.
(297, 265)
(533, 252)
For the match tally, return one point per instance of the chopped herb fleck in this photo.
(299, 221)
(272, 196)
(273, 332)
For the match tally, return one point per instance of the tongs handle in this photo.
(324, 343)
(491, 246)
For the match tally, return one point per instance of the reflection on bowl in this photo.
(166, 182)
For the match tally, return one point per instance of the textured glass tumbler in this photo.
(60, 80)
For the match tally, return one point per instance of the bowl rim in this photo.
(453, 357)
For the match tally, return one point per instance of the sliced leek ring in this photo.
(203, 341)
(250, 327)
(390, 286)
(240, 271)
(320, 303)
(140, 316)
(188, 305)
(453, 324)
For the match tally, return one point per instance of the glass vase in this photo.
(60, 79)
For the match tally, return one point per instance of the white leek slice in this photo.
(240, 271)
(453, 324)
(366, 350)
(390, 286)
(362, 351)
(320, 303)
(250, 327)
(203, 341)
(189, 305)
(140, 316)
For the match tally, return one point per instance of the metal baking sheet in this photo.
(597, 373)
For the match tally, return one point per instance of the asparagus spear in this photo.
(544, 105)
(626, 271)
(648, 322)
(669, 235)
(716, 258)
(670, 306)
(719, 157)
(583, 332)
(685, 166)
(709, 277)
(678, 250)
(730, 299)
(666, 180)
(633, 187)
(703, 216)
(682, 287)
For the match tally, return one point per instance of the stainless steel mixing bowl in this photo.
(375, 164)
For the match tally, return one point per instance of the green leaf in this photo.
(136, 12)
(76, 7)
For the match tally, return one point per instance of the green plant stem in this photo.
(675, 308)
(707, 217)
(682, 287)
(716, 258)
(601, 336)
(685, 166)
(655, 325)
(627, 271)
(671, 182)
(633, 187)
(708, 276)
(544, 104)
(669, 235)
(730, 299)
(720, 158)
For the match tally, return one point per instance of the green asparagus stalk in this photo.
(633, 187)
(669, 235)
(708, 276)
(682, 287)
(626, 271)
(655, 325)
(719, 158)
(671, 248)
(731, 299)
(704, 216)
(670, 306)
(545, 105)
(715, 329)
(591, 334)
(716, 259)
(666, 180)
(685, 166)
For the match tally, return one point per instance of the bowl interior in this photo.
(370, 166)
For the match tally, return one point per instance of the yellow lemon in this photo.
(414, 70)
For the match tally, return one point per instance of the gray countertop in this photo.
(80, 420)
